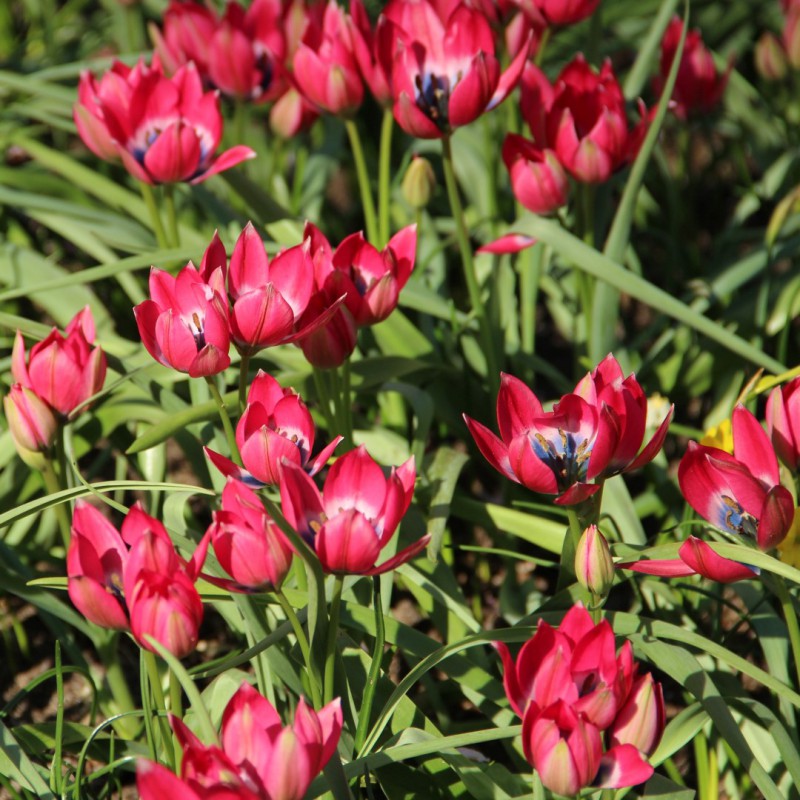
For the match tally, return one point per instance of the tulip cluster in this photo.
(259, 758)
(592, 433)
(588, 717)
(307, 294)
(58, 376)
(134, 580)
(740, 494)
(162, 129)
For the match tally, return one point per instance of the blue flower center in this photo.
(733, 518)
(565, 455)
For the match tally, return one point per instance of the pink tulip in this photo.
(538, 180)
(63, 371)
(185, 323)
(374, 50)
(134, 580)
(325, 68)
(355, 515)
(31, 422)
(163, 129)
(591, 434)
(445, 72)
(276, 427)
(240, 53)
(587, 720)
(582, 118)
(740, 494)
(565, 12)
(783, 422)
(259, 758)
(248, 543)
(699, 85)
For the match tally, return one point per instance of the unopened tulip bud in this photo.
(770, 58)
(31, 422)
(594, 567)
(418, 182)
(641, 720)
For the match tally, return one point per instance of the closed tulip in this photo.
(31, 422)
(783, 422)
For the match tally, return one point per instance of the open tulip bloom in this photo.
(445, 72)
(355, 515)
(276, 428)
(738, 494)
(162, 129)
(134, 580)
(591, 434)
(258, 759)
(588, 718)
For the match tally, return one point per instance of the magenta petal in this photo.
(174, 155)
(348, 544)
(752, 447)
(510, 243)
(665, 568)
(155, 782)
(406, 554)
(775, 520)
(622, 765)
(230, 158)
(224, 465)
(315, 465)
(492, 448)
(703, 560)
(654, 445)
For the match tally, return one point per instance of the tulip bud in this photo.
(31, 422)
(418, 182)
(594, 567)
(791, 37)
(770, 58)
(641, 720)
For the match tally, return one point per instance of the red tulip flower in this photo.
(565, 12)
(325, 68)
(62, 370)
(740, 494)
(355, 515)
(259, 759)
(31, 422)
(445, 72)
(582, 118)
(163, 129)
(699, 85)
(248, 543)
(276, 427)
(374, 50)
(241, 54)
(538, 180)
(134, 580)
(583, 706)
(591, 434)
(184, 324)
(783, 422)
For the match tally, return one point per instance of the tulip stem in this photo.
(115, 681)
(244, 366)
(155, 217)
(384, 177)
(158, 697)
(226, 420)
(172, 217)
(333, 633)
(790, 616)
(323, 396)
(53, 486)
(468, 265)
(374, 668)
(302, 641)
(363, 181)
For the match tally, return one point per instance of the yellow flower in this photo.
(720, 436)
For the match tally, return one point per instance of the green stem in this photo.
(175, 697)
(323, 397)
(53, 485)
(374, 668)
(580, 517)
(172, 217)
(348, 403)
(539, 57)
(151, 665)
(117, 685)
(226, 420)
(240, 109)
(529, 267)
(363, 182)
(790, 616)
(300, 161)
(155, 218)
(384, 177)
(244, 365)
(302, 641)
(333, 633)
(470, 278)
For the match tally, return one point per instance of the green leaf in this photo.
(443, 474)
(15, 764)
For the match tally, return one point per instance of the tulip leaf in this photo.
(680, 730)
(15, 764)
(443, 474)
(177, 421)
(260, 204)
(605, 269)
(661, 788)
